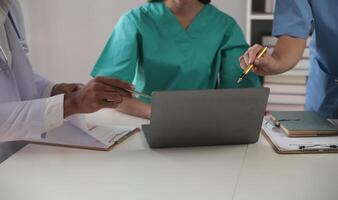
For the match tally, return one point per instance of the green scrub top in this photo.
(151, 49)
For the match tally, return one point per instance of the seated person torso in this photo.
(150, 48)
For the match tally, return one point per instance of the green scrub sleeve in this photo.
(234, 47)
(120, 55)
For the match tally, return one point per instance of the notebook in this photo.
(76, 132)
(303, 123)
(295, 145)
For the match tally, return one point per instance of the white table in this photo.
(132, 171)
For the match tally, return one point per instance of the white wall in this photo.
(67, 36)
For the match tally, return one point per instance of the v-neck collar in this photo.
(196, 27)
(192, 24)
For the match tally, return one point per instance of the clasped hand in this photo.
(99, 93)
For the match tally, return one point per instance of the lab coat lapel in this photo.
(23, 76)
(3, 61)
(17, 19)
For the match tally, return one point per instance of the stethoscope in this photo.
(3, 62)
(3, 54)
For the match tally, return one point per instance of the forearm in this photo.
(70, 106)
(287, 52)
(135, 107)
(29, 119)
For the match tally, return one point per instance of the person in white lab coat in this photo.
(31, 105)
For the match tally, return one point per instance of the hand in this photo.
(65, 88)
(266, 65)
(99, 93)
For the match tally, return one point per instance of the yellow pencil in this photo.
(261, 53)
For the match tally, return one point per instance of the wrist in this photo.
(143, 110)
(70, 105)
(54, 90)
(281, 64)
(148, 111)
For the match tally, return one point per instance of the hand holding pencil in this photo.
(262, 65)
(247, 70)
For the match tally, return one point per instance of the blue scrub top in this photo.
(295, 18)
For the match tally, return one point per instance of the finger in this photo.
(262, 62)
(242, 62)
(68, 88)
(253, 51)
(122, 87)
(110, 97)
(101, 87)
(79, 86)
(254, 69)
(115, 83)
(246, 57)
(75, 87)
(124, 93)
(109, 105)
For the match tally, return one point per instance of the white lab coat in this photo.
(21, 90)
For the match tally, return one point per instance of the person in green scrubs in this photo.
(174, 45)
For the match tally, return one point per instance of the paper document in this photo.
(76, 132)
(106, 135)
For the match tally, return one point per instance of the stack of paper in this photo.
(76, 132)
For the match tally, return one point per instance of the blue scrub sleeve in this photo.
(234, 47)
(120, 55)
(293, 18)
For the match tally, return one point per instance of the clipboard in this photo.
(282, 144)
(77, 133)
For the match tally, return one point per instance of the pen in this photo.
(139, 93)
(134, 92)
(261, 53)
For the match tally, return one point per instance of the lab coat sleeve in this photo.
(293, 18)
(120, 55)
(233, 48)
(29, 119)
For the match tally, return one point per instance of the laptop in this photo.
(206, 118)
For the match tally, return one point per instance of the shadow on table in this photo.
(7, 149)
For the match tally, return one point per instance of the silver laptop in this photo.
(204, 118)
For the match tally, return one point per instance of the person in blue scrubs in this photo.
(294, 19)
